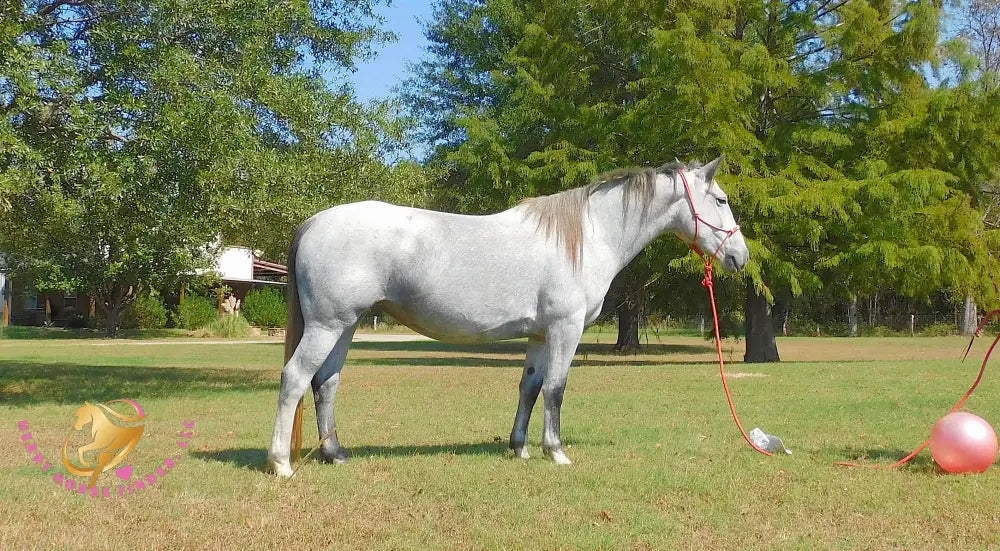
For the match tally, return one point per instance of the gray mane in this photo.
(562, 213)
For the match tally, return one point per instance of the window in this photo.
(31, 301)
(70, 295)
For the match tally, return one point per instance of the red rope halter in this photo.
(698, 218)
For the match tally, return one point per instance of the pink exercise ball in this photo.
(963, 443)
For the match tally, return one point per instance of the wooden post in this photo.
(911, 324)
(183, 295)
(5, 294)
(48, 309)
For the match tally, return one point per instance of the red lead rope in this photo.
(979, 377)
(708, 284)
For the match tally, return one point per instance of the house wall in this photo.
(235, 263)
(28, 311)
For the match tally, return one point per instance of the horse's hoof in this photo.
(521, 452)
(338, 457)
(281, 468)
(558, 457)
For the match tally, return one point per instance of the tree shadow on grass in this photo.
(461, 354)
(476, 361)
(520, 346)
(883, 457)
(25, 383)
(256, 458)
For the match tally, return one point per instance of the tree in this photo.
(981, 29)
(545, 95)
(133, 134)
(980, 25)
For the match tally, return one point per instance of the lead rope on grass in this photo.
(708, 284)
(306, 457)
(965, 397)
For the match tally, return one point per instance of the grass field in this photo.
(659, 464)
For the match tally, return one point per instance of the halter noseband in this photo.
(697, 218)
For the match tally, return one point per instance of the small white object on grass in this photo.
(768, 442)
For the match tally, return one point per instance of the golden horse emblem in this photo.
(111, 443)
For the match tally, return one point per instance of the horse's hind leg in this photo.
(314, 348)
(324, 385)
(531, 383)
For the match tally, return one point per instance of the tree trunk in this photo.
(969, 321)
(112, 305)
(628, 327)
(761, 346)
(631, 292)
(852, 317)
(113, 320)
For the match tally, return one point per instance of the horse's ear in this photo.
(708, 171)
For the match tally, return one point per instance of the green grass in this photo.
(17, 332)
(659, 464)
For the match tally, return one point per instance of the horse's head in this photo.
(83, 416)
(711, 226)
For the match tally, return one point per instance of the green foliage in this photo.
(195, 312)
(228, 327)
(265, 308)
(939, 330)
(133, 134)
(851, 172)
(145, 312)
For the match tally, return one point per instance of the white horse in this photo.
(539, 270)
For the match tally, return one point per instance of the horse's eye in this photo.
(720, 201)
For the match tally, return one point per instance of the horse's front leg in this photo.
(561, 342)
(531, 384)
(84, 449)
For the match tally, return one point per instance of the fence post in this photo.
(911, 324)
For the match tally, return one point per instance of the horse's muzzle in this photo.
(732, 263)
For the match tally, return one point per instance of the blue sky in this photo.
(375, 78)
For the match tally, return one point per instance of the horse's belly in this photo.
(461, 322)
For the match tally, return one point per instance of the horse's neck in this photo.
(621, 234)
(93, 413)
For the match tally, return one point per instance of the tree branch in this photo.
(831, 10)
(46, 10)
(807, 54)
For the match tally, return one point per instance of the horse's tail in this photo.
(293, 334)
